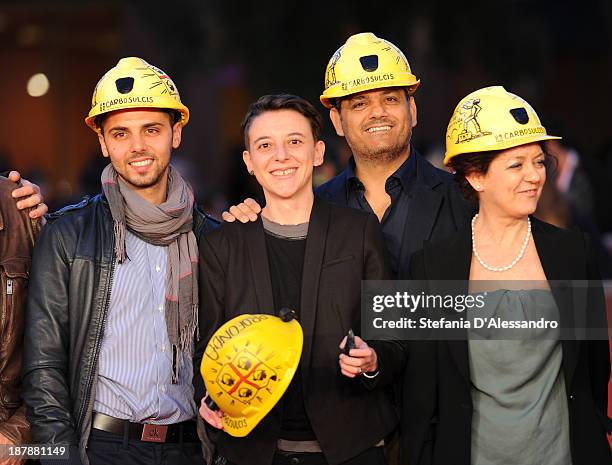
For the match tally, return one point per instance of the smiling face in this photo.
(139, 143)
(377, 123)
(281, 153)
(513, 182)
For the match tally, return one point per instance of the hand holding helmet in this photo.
(247, 367)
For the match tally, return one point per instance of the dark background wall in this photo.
(223, 54)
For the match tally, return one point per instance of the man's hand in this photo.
(360, 360)
(244, 212)
(9, 460)
(28, 195)
(213, 418)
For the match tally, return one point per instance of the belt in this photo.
(185, 431)
(298, 447)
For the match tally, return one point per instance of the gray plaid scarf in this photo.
(168, 224)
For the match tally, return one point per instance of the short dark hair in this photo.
(277, 102)
(175, 117)
(479, 162)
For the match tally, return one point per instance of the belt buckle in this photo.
(154, 433)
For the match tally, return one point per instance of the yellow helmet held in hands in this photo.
(366, 62)
(248, 365)
(134, 83)
(492, 119)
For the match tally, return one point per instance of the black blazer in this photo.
(437, 398)
(343, 247)
(439, 208)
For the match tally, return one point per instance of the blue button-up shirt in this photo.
(398, 186)
(135, 363)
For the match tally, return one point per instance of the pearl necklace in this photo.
(514, 262)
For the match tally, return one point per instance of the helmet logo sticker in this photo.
(124, 85)
(330, 75)
(159, 78)
(468, 118)
(520, 115)
(369, 63)
(244, 376)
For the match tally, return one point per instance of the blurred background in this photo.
(222, 55)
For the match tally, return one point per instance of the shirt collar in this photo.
(405, 173)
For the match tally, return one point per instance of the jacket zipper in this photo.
(9, 287)
(85, 404)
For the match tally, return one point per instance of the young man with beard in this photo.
(113, 296)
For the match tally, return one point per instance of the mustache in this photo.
(140, 155)
(378, 122)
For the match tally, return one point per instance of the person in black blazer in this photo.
(463, 405)
(310, 256)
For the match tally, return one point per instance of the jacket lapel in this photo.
(258, 253)
(313, 261)
(422, 213)
(335, 190)
(423, 209)
(455, 266)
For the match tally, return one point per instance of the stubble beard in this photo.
(148, 181)
(383, 154)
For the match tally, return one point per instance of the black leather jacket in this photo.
(70, 285)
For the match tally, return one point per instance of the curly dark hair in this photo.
(469, 163)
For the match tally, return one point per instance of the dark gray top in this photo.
(518, 391)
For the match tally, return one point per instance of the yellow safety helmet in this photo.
(366, 62)
(492, 119)
(134, 83)
(248, 365)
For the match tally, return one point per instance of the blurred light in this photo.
(28, 35)
(38, 85)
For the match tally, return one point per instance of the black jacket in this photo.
(439, 208)
(343, 247)
(68, 299)
(437, 397)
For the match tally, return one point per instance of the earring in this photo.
(252, 173)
